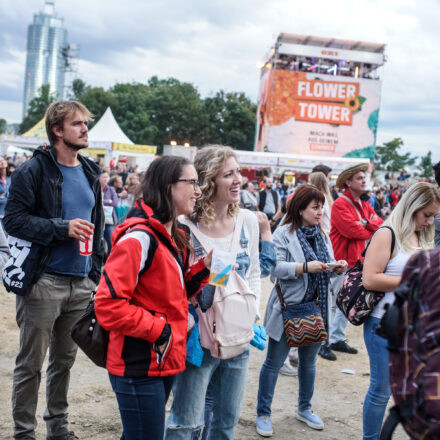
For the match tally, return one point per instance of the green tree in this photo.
(2, 125)
(177, 111)
(96, 99)
(37, 108)
(387, 157)
(231, 120)
(133, 114)
(167, 109)
(78, 89)
(425, 165)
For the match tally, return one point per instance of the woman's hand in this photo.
(208, 260)
(316, 266)
(264, 226)
(342, 268)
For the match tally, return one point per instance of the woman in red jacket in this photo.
(142, 297)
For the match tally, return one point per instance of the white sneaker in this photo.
(288, 370)
(293, 356)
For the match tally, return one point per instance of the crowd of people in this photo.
(147, 243)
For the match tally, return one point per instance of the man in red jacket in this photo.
(353, 221)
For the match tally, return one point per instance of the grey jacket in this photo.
(437, 230)
(294, 287)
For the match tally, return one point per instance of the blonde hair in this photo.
(402, 219)
(319, 179)
(208, 163)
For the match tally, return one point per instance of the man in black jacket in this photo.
(54, 219)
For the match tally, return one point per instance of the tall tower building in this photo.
(45, 63)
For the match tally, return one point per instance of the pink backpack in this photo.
(226, 328)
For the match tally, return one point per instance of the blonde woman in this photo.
(215, 216)
(412, 222)
(319, 179)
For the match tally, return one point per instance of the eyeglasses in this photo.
(195, 183)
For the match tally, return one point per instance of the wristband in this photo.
(305, 267)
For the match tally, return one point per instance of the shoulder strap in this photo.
(280, 295)
(235, 239)
(195, 230)
(393, 241)
(235, 245)
(165, 242)
(354, 206)
(393, 238)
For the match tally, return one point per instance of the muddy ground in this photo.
(94, 415)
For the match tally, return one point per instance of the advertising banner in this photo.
(309, 113)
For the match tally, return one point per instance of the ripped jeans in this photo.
(227, 380)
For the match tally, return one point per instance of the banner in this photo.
(309, 113)
(133, 148)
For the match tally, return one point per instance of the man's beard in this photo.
(75, 147)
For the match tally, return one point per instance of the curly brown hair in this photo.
(208, 163)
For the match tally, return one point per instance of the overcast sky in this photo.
(218, 44)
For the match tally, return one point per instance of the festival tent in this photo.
(31, 139)
(107, 135)
(108, 130)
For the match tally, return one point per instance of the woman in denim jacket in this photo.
(303, 254)
(215, 213)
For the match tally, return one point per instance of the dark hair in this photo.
(156, 191)
(437, 173)
(245, 185)
(304, 194)
(113, 179)
(323, 168)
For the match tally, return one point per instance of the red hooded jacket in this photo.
(143, 287)
(347, 236)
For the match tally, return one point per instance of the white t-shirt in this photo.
(394, 267)
(252, 233)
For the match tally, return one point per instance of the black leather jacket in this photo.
(34, 207)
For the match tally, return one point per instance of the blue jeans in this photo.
(108, 230)
(141, 402)
(227, 382)
(337, 328)
(379, 391)
(276, 354)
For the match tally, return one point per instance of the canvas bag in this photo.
(19, 272)
(226, 328)
(412, 327)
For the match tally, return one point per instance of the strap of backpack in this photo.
(390, 424)
(195, 230)
(354, 206)
(235, 245)
(235, 239)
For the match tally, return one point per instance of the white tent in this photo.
(108, 130)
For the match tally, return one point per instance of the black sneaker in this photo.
(326, 353)
(67, 436)
(344, 347)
